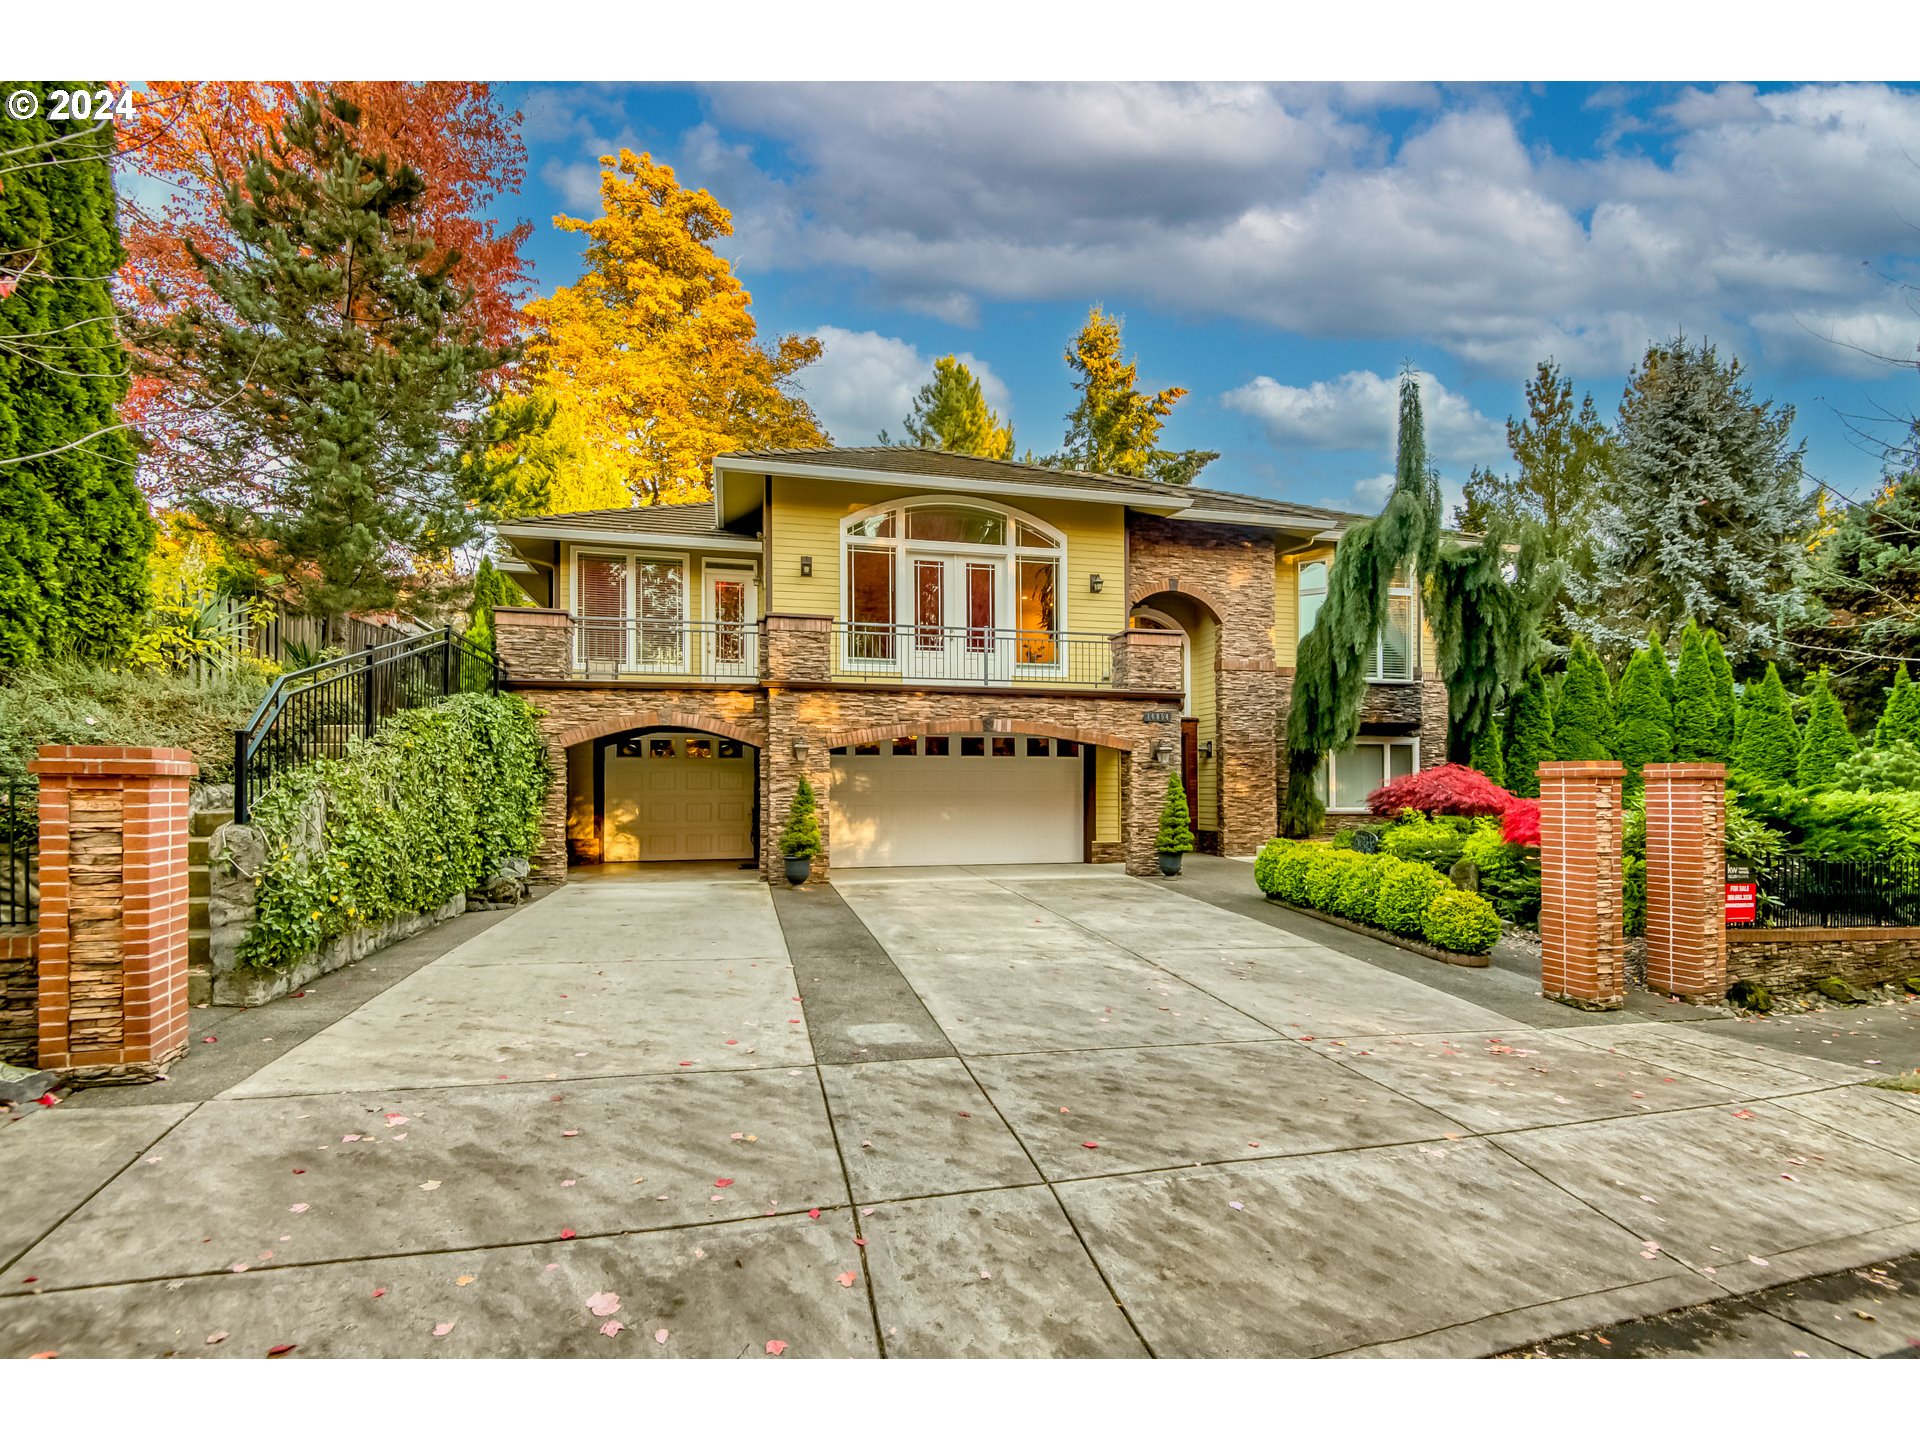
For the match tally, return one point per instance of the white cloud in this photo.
(864, 383)
(1285, 206)
(1360, 411)
(578, 184)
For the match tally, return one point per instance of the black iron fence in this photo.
(19, 852)
(1799, 890)
(318, 712)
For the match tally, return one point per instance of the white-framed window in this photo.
(939, 572)
(1393, 646)
(1347, 777)
(631, 609)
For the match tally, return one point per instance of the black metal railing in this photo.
(320, 711)
(19, 853)
(968, 655)
(630, 649)
(1799, 890)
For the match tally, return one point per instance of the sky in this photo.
(1283, 251)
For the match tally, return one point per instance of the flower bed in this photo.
(1407, 900)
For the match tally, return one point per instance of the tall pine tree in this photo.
(1583, 721)
(1645, 732)
(1529, 735)
(337, 375)
(1827, 743)
(1115, 429)
(1769, 744)
(74, 529)
(1704, 515)
(950, 413)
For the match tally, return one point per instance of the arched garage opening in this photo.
(659, 794)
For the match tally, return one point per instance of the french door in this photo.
(731, 638)
(955, 633)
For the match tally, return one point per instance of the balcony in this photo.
(550, 645)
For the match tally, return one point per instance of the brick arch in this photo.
(970, 725)
(1146, 590)
(661, 718)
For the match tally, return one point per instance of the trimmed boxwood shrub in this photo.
(1324, 876)
(1267, 862)
(1290, 875)
(1460, 921)
(1360, 888)
(409, 819)
(1438, 842)
(1406, 889)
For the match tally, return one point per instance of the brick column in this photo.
(113, 910)
(1686, 879)
(1582, 947)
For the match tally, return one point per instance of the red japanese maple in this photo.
(1521, 824)
(1443, 790)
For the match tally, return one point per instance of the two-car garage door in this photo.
(958, 800)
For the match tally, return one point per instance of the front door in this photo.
(956, 635)
(731, 644)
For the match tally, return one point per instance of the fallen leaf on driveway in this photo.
(611, 1328)
(445, 1329)
(378, 1293)
(660, 1336)
(275, 1350)
(464, 1280)
(776, 1347)
(1089, 1144)
(1235, 1205)
(569, 1134)
(813, 1214)
(431, 1185)
(45, 1355)
(299, 1209)
(722, 1182)
(604, 1303)
(1743, 1114)
(567, 1234)
(846, 1278)
(216, 1337)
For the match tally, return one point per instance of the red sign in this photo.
(1741, 899)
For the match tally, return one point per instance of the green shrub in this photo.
(1888, 765)
(1509, 874)
(1406, 889)
(1176, 825)
(1839, 824)
(68, 703)
(1360, 889)
(1436, 842)
(800, 840)
(1290, 872)
(410, 818)
(1325, 873)
(1459, 921)
(1266, 864)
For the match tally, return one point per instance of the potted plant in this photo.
(1176, 832)
(800, 841)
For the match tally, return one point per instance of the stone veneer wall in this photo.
(1787, 959)
(19, 996)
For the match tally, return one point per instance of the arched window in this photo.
(940, 578)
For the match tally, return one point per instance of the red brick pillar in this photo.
(113, 909)
(1686, 879)
(1582, 947)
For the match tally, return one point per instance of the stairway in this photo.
(199, 968)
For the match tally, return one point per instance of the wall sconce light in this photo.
(800, 750)
(1206, 749)
(1162, 752)
(806, 565)
(1095, 584)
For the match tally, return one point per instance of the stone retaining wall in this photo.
(19, 996)
(1791, 959)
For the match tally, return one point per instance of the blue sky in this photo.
(1281, 251)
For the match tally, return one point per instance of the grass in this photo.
(1907, 1084)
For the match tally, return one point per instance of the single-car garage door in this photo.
(679, 797)
(958, 800)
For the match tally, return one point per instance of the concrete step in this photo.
(199, 947)
(205, 822)
(196, 915)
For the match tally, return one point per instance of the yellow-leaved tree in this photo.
(651, 362)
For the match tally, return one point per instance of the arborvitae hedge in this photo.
(1827, 742)
(1769, 744)
(1645, 733)
(1696, 710)
(1529, 736)
(1487, 755)
(1583, 720)
(1901, 718)
(1722, 696)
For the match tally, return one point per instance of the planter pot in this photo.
(799, 867)
(1170, 862)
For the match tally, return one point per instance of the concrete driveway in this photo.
(1027, 1112)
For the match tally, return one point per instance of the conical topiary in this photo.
(1529, 736)
(1696, 713)
(1645, 733)
(1663, 667)
(1769, 745)
(1487, 755)
(1828, 743)
(1901, 718)
(800, 840)
(1722, 697)
(1176, 833)
(1583, 720)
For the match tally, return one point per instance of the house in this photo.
(973, 661)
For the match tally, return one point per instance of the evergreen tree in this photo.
(1564, 455)
(490, 588)
(1529, 736)
(950, 413)
(1645, 733)
(1175, 835)
(336, 377)
(1696, 703)
(1486, 755)
(1722, 697)
(1662, 668)
(1769, 744)
(1866, 578)
(1115, 429)
(74, 528)
(1703, 516)
(1583, 723)
(1485, 604)
(1828, 743)
(1900, 720)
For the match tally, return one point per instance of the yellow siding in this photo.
(806, 517)
(1286, 602)
(1106, 796)
(1205, 708)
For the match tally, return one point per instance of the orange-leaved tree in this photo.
(651, 360)
(190, 137)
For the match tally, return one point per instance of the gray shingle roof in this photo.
(693, 519)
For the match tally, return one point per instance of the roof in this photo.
(693, 519)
